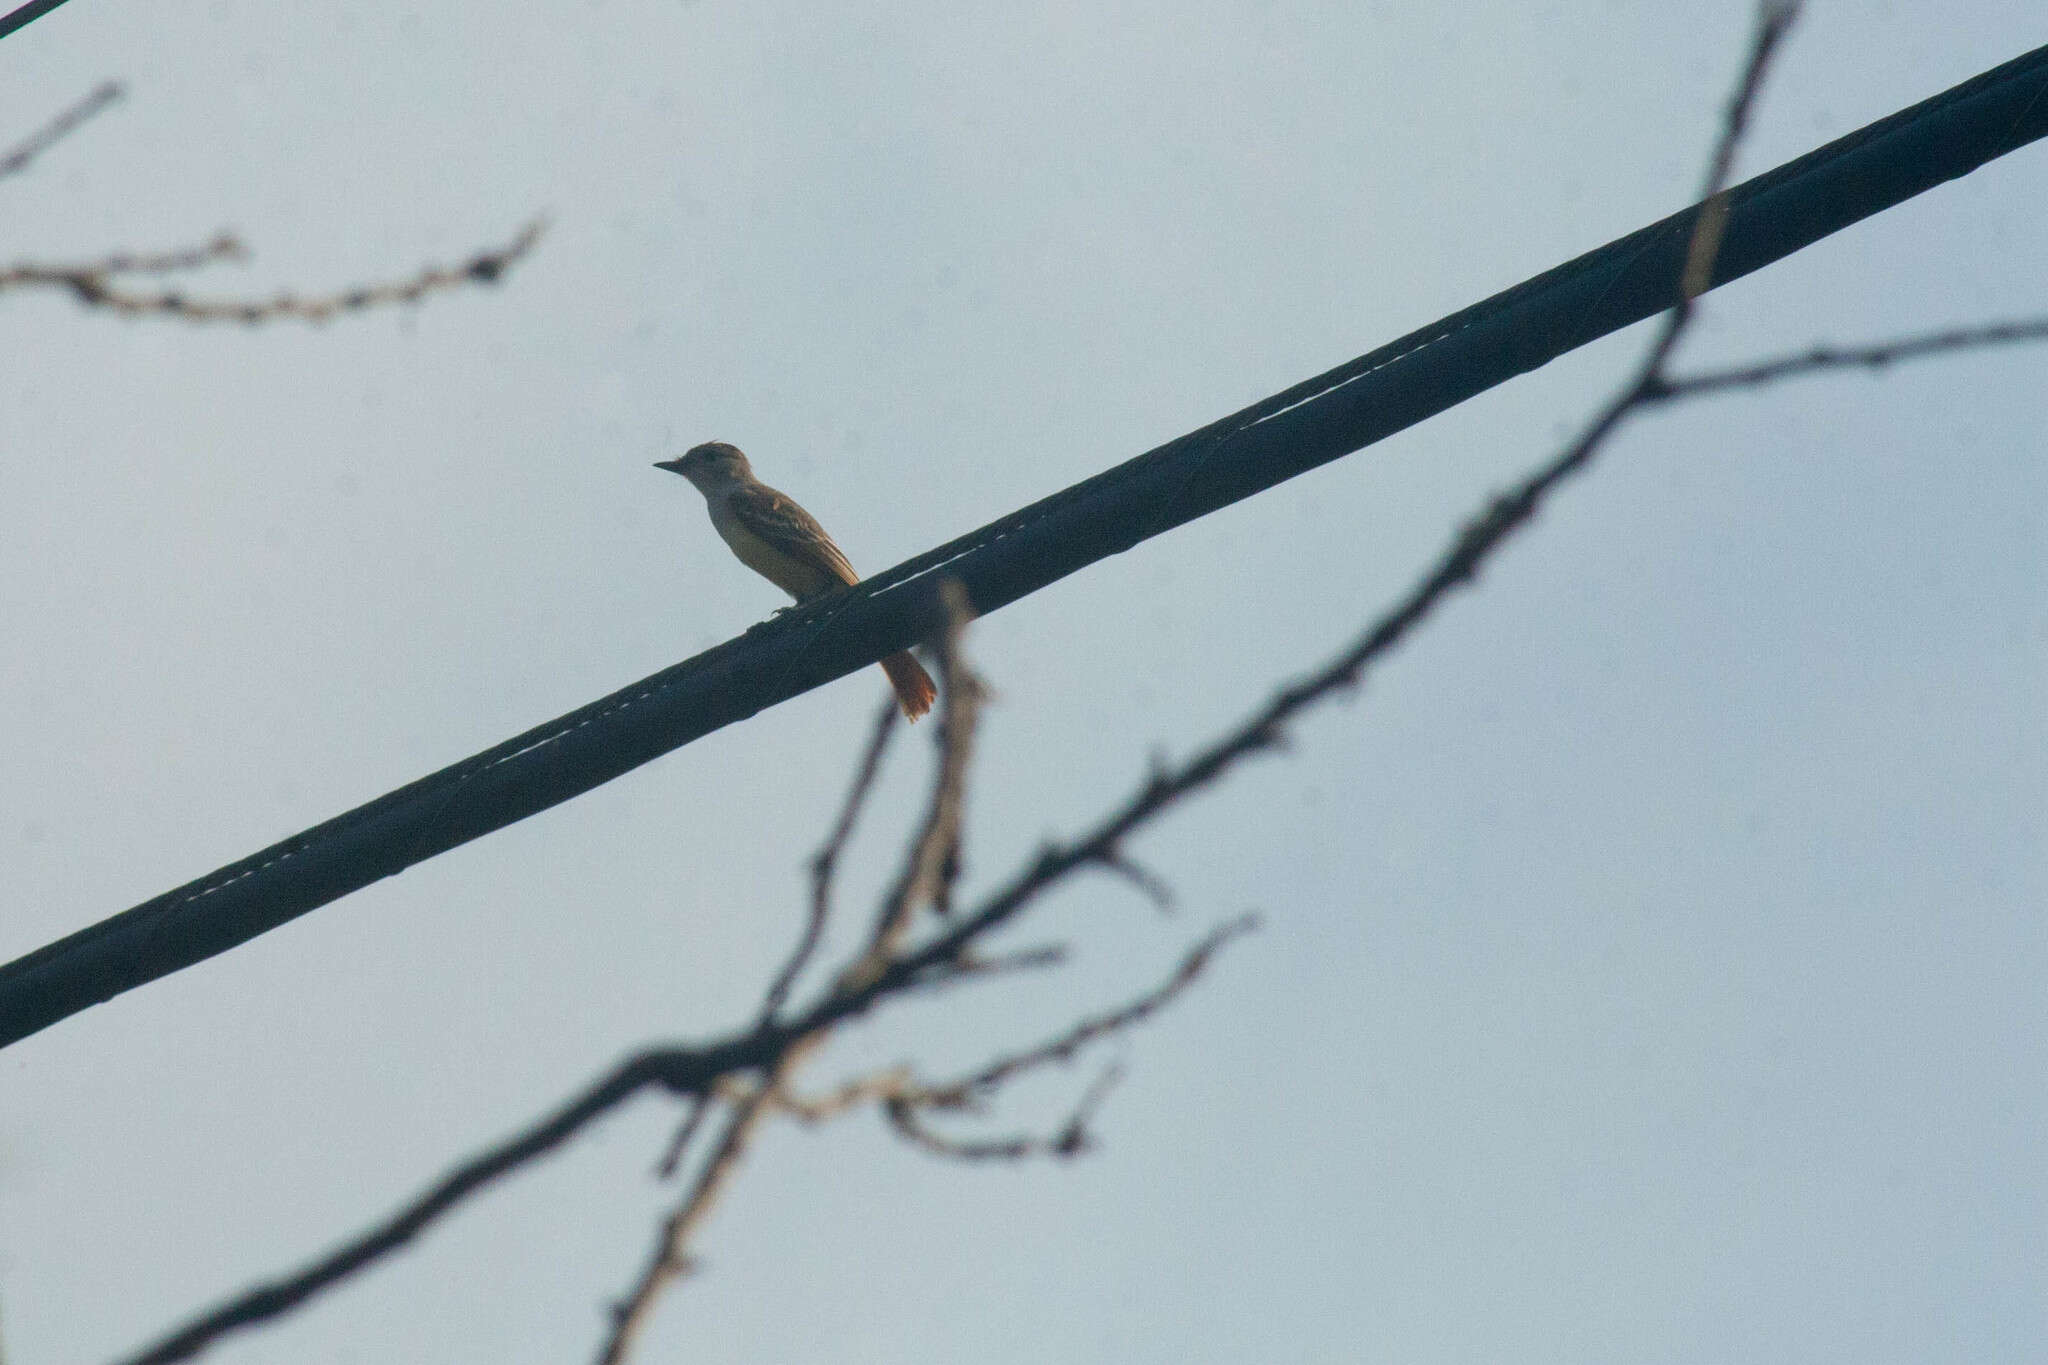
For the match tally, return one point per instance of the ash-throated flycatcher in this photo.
(785, 545)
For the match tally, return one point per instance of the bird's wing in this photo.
(776, 518)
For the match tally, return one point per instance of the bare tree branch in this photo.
(933, 859)
(826, 863)
(670, 1260)
(696, 1108)
(848, 1096)
(823, 864)
(95, 284)
(904, 1089)
(1873, 356)
(973, 966)
(938, 835)
(1774, 20)
(92, 283)
(1458, 567)
(1069, 1140)
(905, 1100)
(224, 247)
(1064, 1046)
(15, 161)
(892, 963)
(681, 1071)
(1150, 884)
(882, 970)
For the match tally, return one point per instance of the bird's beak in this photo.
(672, 466)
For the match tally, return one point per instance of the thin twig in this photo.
(1774, 20)
(1150, 884)
(907, 1124)
(1070, 1139)
(681, 1071)
(823, 864)
(1873, 356)
(854, 1094)
(92, 284)
(933, 856)
(670, 1259)
(1063, 1046)
(1456, 568)
(695, 1110)
(973, 966)
(772, 1052)
(53, 132)
(904, 1098)
(224, 246)
(939, 832)
(826, 863)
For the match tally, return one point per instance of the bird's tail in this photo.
(915, 690)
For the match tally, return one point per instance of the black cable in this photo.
(27, 14)
(1310, 424)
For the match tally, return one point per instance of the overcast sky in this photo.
(1654, 950)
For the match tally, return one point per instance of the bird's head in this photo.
(713, 464)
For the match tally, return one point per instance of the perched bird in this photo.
(785, 545)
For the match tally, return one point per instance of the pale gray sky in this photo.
(1654, 950)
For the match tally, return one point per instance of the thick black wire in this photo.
(1307, 425)
(27, 14)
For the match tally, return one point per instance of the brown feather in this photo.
(915, 690)
(776, 518)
